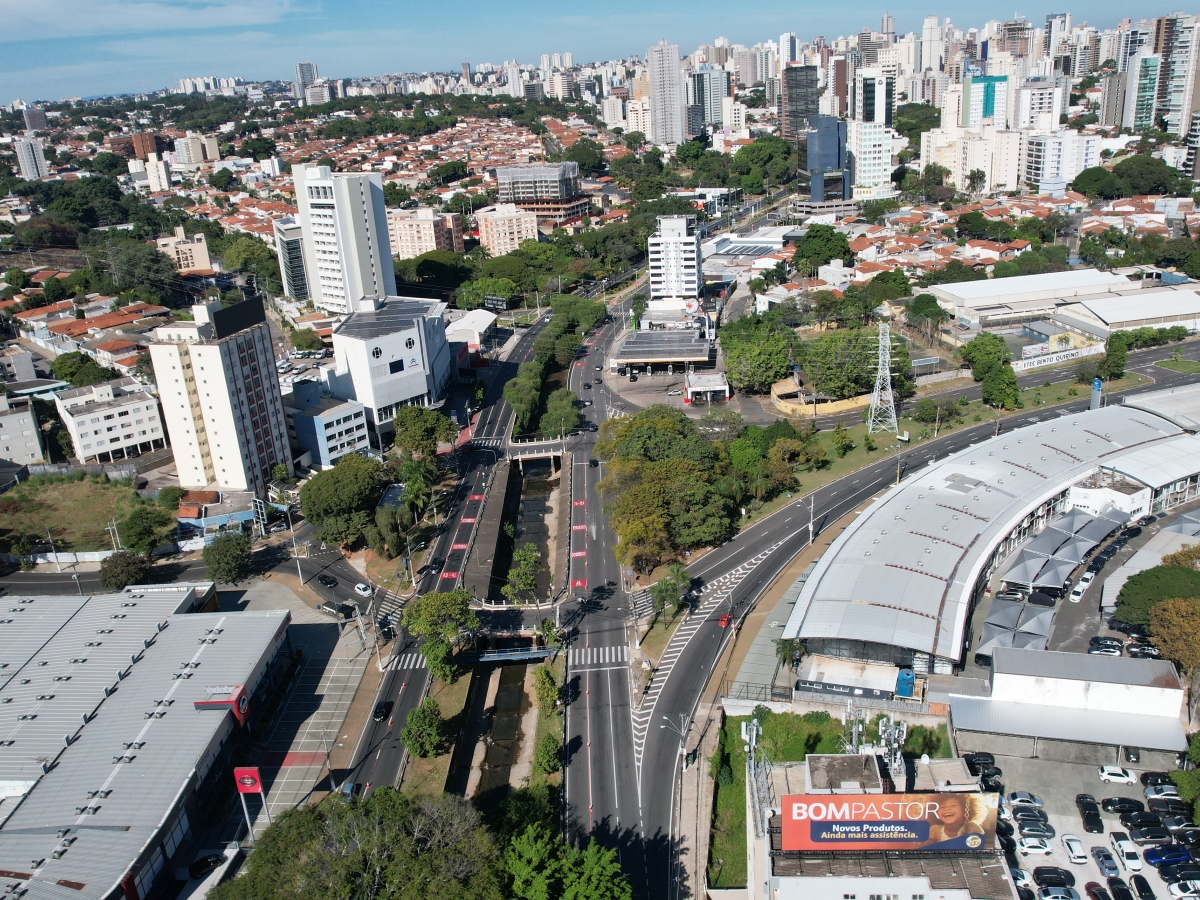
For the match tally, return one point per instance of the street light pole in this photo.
(295, 550)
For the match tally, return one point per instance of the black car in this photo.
(992, 785)
(1025, 894)
(1095, 892)
(1092, 822)
(327, 581)
(1135, 632)
(435, 565)
(1153, 834)
(1180, 872)
(1120, 890)
(1052, 876)
(1146, 520)
(205, 864)
(586, 386)
(383, 709)
(1143, 651)
(1122, 805)
(1189, 837)
(1141, 887)
(1141, 820)
(1104, 641)
(1029, 814)
(1169, 806)
(979, 759)
(1004, 829)
(1152, 778)
(1131, 532)
(1007, 844)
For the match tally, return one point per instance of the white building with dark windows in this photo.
(113, 420)
(347, 254)
(675, 259)
(31, 160)
(325, 428)
(289, 247)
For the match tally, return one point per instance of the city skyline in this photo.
(123, 47)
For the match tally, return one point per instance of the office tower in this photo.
(1140, 91)
(35, 118)
(1176, 43)
(31, 160)
(189, 251)
(512, 78)
(545, 63)
(158, 174)
(535, 91)
(504, 227)
(667, 111)
(984, 97)
(800, 93)
(189, 150)
(1058, 27)
(561, 85)
(675, 259)
(346, 251)
(612, 112)
(869, 155)
(306, 75)
(111, 420)
(550, 190)
(568, 60)
(220, 397)
(788, 49)
(933, 48)
(1130, 42)
(556, 61)
(466, 71)
(709, 88)
(289, 246)
(638, 117)
(825, 159)
(874, 97)
(412, 232)
(887, 25)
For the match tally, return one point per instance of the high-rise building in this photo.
(568, 60)
(1057, 30)
(561, 85)
(412, 232)
(667, 101)
(1053, 160)
(556, 61)
(306, 75)
(550, 190)
(504, 227)
(1140, 83)
(1040, 103)
(512, 78)
(289, 246)
(834, 100)
(144, 143)
(638, 117)
(318, 94)
(869, 154)
(800, 93)
(1177, 43)
(189, 150)
(158, 174)
(984, 97)
(710, 87)
(789, 49)
(612, 112)
(887, 25)
(347, 255)
(825, 159)
(466, 72)
(933, 47)
(545, 64)
(675, 259)
(35, 118)
(31, 160)
(733, 115)
(220, 397)
(874, 97)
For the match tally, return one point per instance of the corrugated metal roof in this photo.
(1163, 463)
(902, 573)
(1057, 284)
(1180, 405)
(1084, 667)
(1064, 723)
(1145, 304)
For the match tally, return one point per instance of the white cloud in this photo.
(58, 19)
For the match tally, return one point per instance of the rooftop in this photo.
(1150, 303)
(395, 314)
(1083, 667)
(1178, 405)
(1077, 283)
(850, 772)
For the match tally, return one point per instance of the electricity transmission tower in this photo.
(883, 406)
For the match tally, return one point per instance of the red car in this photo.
(725, 621)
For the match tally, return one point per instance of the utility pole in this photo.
(52, 550)
(295, 549)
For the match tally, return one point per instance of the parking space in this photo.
(1058, 784)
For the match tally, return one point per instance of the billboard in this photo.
(825, 822)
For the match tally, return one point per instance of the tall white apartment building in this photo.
(612, 112)
(561, 85)
(30, 159)
(306, 74)
(19, 441)
(1040, 104)
(1053, 160)
(668, 117)
(158, 173)
(220, 397)
(789, 48)
(113, 420)
(347, 256)
(192, 149)
(675, 259)
(503, 227)
(869, 150)
(638, 116)
(412, 232)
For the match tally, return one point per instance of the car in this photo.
(327, 581)
(1058, 893)
(1053, 876)
(1111, 774)
(1171, 855)
(1133, 755)
(363, 590)
(1180, 872)
(725, 621)
(205, 864)
(1089, 815)
(1131, 532)
(1134, 631)
(337, 610)
(1184, 889)
(1024, 893)
(1101, 640)
(1149, 778)
(1140, 819)
(979, 759)
(1174, 823)
(1007, 844)
(1036, 829)
(1169, 806)
(1020, 877)
(599, 368)
(1032, 846)
(351, 789)
(1074, 848)
(383, 709)
(1125, 851)
(1087, 578)
(1011, 595)
(1077, 593)
(1120, 890)
(633, 378)
(1189, 836)
(1146, 520)
(1004, 829)
(1105, 862)
(1121, 805)
(1141, 887)
(435, 565)
(1096, 892)
(1160, 790)
(992, 785)
(1143, 651)
(1024, 798)
(1150, 834)
(1030, 814)
(674, 393)
(387, 630)
(593, 463)
(990, 772)
(587, 386)
(1104, 650)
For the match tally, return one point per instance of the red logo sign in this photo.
(247, 779)
(579, 503)
(575, 554)
(475, 497)
(458, 546)
(449, 575)
(468, 520)
(579, 528)
(579, 582)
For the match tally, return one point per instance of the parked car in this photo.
(1152, 791)
(1055, 893)
(1029, 814)
(1184, 890)
(1171, 855)
(1004, 829)
(1120, 890)
(1180, 872)
(1011, 595)
(1149, 778)
(1146, 520)
(1020, 877)
(1169, 806)
(1133, 755)
(1116, 774)
(1125, 851)
(351, 789)
(1121, 805)
(978, 759)
(1053, 876)
(1101, 639)
(1036, 829)
(1034, 846)
(1141, 887)
(1188, 835)
(1077, 593)
(1074, 849)
(1131, 532)
(1105, 862)
(1024, 798)
(1096, 892)
(1143, 651)
(1140, 819)
(205, 864)
(1151, 834)
(1087, 578)
(1007, 844)
(383, 709)
(1104, 650)
(674, 393)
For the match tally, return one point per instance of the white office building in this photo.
(668, 118)
(675, 259)
(158, 174)
(30, 159)
(220, 397)
(869, 149)
(392, 355)
(113, 420)
(347, 255)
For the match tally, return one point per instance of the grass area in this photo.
(76, 509)
(1187, 366)
(427, 777)
(548, 722)
(654, 642)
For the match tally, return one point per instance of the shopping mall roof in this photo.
(1179, 405)
(902, 573)
(1163, 463)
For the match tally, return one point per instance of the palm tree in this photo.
(679, 576)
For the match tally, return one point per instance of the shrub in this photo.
(422, 733)
(548, 755)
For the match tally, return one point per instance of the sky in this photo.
(52, 49)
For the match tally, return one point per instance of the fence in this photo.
(1053, 359)
(120, 472)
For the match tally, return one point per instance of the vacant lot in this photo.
(76, 511)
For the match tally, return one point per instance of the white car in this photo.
(1117, 775)
(1126, 851)
(1024, 798)
(1184, 889)
(675, 393)
(1088, 578)
(362, 590)
(1077, 593)
(1033, 846)
(1160, 790)
(1074, 848)
(1020, 877)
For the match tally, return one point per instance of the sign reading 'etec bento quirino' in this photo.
(889, 821)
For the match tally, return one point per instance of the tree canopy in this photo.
(340, 501)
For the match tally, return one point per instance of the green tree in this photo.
(1116, 354)
(222, 179)
(547, 690)
(168, 498)
(985, 353)
(439, 658)
(522, 575)
(633, 140)
(588, 154)
(976, 179)
(561, 416)
(228, 558)
(339, 501)
(423, 729)
(306, 339)
(820, 244)
(547, 756)
(841, 440)
(440, 614)
(999, 388)
(143, 528)
(79, 369)
(420, 429)
(123, 568)
(594, 873)
(758, 364)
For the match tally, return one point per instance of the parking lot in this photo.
(1058, 783)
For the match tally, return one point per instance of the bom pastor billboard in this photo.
(889, 821)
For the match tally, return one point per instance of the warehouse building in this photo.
(1159, 307)
(1025, 298)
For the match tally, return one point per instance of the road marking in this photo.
(612, 732)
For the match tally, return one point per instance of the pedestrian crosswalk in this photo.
(487, 441)
(598, 656)
(411, 661)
